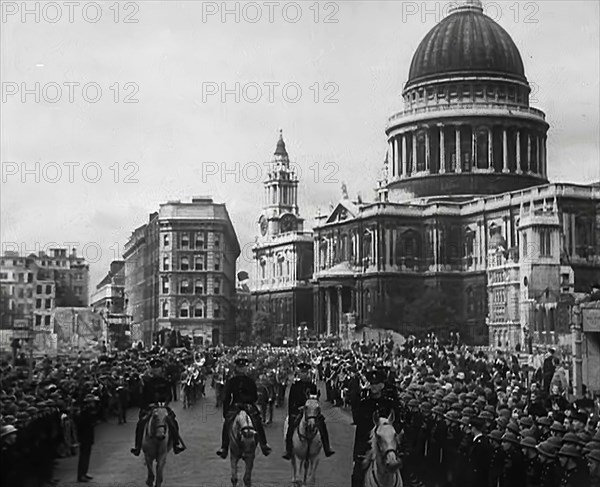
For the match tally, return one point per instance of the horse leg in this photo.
(233, 461)
(248, 473)
(311, 476)
(150, 477)
(294, 470)
(160, 465)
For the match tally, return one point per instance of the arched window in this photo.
(216, 310)
(411, 244)
(165, 285)
(184, 264)
(199, 309)
(263, 269)
(583, 236)
(470, 301)
(469, 246)
(199, 286)
(184, 287)
(184, 310)
(421, 151)
(165, 309)
(323, 253)
(367, 236)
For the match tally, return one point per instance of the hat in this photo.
(377, 377)
(546, 449)
(477, 423)
(452, 416)
(569, 451)
(528, 442)
(495, 435)
(90, 398)
(555, 442)
(7, 430)
(486, 415)
(559, 427)
(513, 428)
(579, 416)
(510, 437)
(595, 455)
(544, 421)
(572, 439)
(526, 421)
(303, 366)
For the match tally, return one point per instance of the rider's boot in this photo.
(178, 444)
(260, 430)
(358, 474)
(224, 439)
(139, 434)
(324, 437)
(288, 439)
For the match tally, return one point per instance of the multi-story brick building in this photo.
(466, 154)
(180, 271)
(109, 302)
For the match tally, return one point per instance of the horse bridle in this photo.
(389, 450)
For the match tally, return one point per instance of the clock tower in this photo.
(283, 254)
(280, 213)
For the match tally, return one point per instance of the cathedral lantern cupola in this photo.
(467, 127)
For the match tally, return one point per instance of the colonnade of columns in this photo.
(455, 148)
(281, 194)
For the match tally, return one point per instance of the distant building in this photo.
(180, 272)
(109, 302)
(283, 253)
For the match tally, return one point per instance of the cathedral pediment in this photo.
(345, 210)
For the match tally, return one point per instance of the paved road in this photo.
(113, 466)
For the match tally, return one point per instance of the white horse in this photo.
(306, 442)
(381, 462)
(242, 445)
(157, 443)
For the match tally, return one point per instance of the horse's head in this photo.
(311, 411)
(247, 435)
(384, 442)
(158, 421)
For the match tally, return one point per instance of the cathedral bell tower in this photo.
(280, 213)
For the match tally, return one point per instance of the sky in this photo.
(108, 112)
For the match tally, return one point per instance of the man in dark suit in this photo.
(479, 455)
(86, 423)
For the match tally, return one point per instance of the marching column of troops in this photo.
(469, 420)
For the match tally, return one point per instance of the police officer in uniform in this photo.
(156, 388)
(297, 398)
(239, 393)
(373, 401)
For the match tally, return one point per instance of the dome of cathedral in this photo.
(466, 43)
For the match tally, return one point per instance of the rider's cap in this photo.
(375, 377)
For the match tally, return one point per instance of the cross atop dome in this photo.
(463, 5)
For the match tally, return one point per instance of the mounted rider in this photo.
(240, 393)
(156, 387)
(297, 398)
(377, 400)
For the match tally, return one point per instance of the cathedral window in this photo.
(545, 242)
(482, 142)
(184, 287)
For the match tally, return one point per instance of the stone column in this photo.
(490, 150)
(538, 152)
(427, 152)
(413, 169)
(458, 153)
(435, 247)
(328, 310)
(529, 158)
(442, 149)
(387, 247)
(317, 256)
(391, 158)
(396, 171)
(519, 170)
(474, 157)
(543, 157)
(394, 232)
(504, 151)
(404, 157)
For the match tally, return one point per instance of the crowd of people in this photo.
(466, 418)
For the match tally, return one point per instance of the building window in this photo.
(524, 245)
(263, 269)
(21, 277)
(199, 262)
(29, 277)
(217, 286)
(165, 285)
(217, 310)
(184, 311)
(166, 240)
(48, 289)
(217, 263)
(48, 303)
(184, 265)
(165, 263)
(199, 287)
(545, 242)
(21, 293)
(38, 303)
(185, 241)
(47, 320)
(198, 310)
(165, 309)
(38, 320)
(217, 242)
(39, 289)
(77, 289)
(200, 240)
(184, 287)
